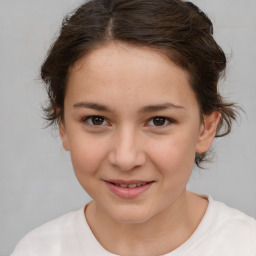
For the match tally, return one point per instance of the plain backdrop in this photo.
(37, 183)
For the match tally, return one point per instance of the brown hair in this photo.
(177, 28)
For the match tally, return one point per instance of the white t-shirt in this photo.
(223, 231)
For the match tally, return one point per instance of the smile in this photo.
(128, 189)
(130, 185)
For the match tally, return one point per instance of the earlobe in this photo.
(63, 136)
(208, 131)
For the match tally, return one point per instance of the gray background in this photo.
(37, 183)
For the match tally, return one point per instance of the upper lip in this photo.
(128, 182)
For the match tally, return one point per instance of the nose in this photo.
(127, 151)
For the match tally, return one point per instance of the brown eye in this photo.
(97, 120)
(159, 121)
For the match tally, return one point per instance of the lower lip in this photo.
(128, 193)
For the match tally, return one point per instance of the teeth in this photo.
(130, 185)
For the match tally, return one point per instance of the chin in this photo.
(130, 216)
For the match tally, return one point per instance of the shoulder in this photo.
(225, 216)
(51, 236)
(231, 228)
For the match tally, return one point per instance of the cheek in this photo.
(175, 149)
(174, 157)
(87, 155)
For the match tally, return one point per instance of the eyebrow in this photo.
(165, 106)
(92, 105)
(149, 108)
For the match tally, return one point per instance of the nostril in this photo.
(124, 162)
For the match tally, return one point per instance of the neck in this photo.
(161, 234)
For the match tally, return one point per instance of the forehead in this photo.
(125, 59)
(130, 73)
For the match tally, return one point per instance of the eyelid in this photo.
(86, 118)
(170, 121)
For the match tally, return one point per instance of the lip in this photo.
(126, 192)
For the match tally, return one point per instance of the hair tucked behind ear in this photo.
(178, 29)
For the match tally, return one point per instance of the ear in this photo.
(207, 131)
(63, 136)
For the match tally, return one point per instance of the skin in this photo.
(128, 144)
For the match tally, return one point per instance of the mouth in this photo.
(131, 185)
(128, 189)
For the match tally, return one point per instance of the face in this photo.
(132, 126)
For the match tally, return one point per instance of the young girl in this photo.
(132, 86)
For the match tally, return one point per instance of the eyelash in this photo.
(166, 119)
